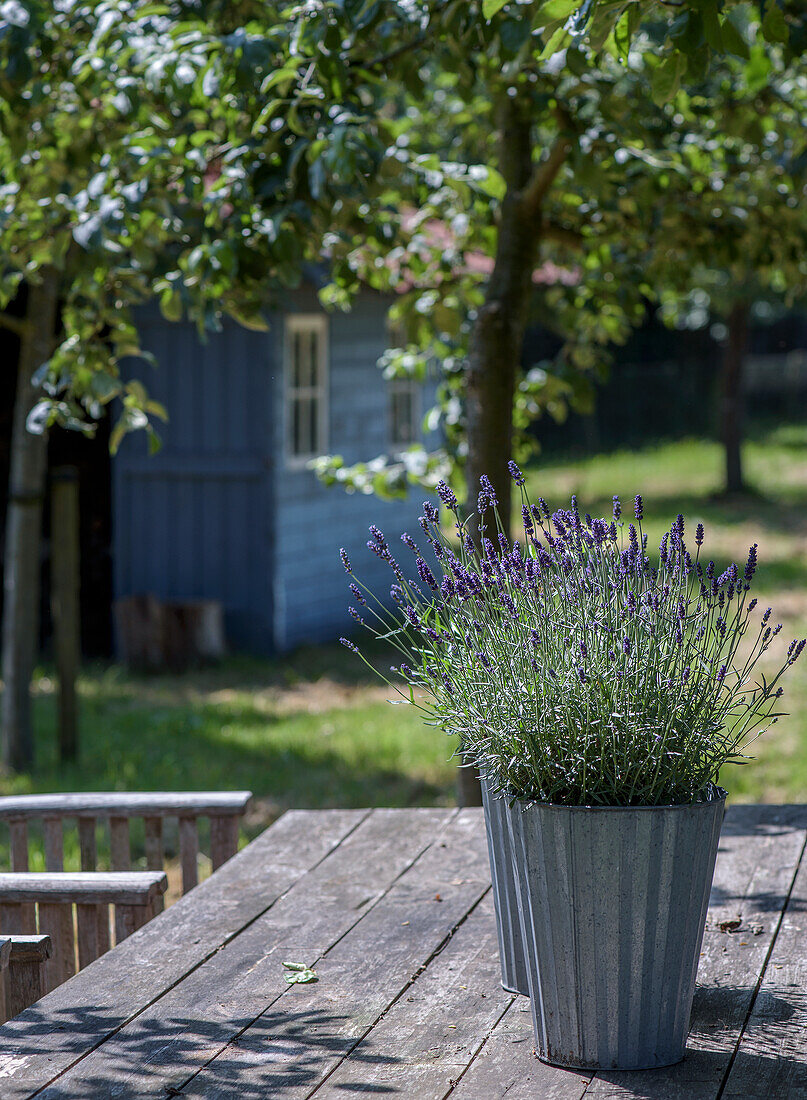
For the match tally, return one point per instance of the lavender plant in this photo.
(572, 668)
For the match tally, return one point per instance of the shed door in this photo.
(195, 520)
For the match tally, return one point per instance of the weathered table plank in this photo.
(394, 910)
(757, 861)
(435, 1029)
(176, 1036)
(50, 1036)
(289, 1050)
(771, 1059)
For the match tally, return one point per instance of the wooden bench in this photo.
(42, 904)
(223, 808)
(22, 977)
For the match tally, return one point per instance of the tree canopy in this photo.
(206, 154)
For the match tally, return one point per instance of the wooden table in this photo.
(393, 909)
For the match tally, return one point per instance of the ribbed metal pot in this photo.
(505, 894)
(613, 905)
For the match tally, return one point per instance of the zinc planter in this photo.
(613, 905)
(505, 894)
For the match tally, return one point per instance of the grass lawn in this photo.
(314, 728)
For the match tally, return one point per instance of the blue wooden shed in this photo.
(228, 509)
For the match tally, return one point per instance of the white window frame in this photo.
(305, 323)
(414, 388)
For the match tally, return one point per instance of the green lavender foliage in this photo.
(573, 668)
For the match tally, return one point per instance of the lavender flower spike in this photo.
(515, 473)
(484, 482)
(345, 560)
(638, 507)
(349, 645)
(447, 495)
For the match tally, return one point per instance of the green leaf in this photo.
(666, 79)
(622, 34)
(555, 10)
(295, 966)
(490, 7)
(733, 41)
(711, 25)
(774, 24)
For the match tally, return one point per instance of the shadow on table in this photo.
(700, 1076)
(282, 1053)
(759, 819)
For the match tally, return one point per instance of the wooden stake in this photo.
(65, 583)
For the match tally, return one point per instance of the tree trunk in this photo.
(732, 396)
(24, 530)
(498, 336)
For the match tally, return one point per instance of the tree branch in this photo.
(569, 238)
(546, 173)
(17, 325)
(391, 56)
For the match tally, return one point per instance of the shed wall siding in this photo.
(194, 521)
(312, 521)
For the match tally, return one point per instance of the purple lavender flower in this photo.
(515, 473)
(354, 588)
(699, 535)
(485, 485)
(767, 615)
(526, 518)
(405, 670)
(345, 560)
(446, 588)
(483, 502)
(410, 542)
(378, 536)
(638, 507)
(349, 645)
(617, 509)
(583, 650)
(397, 594)
(535, 637)
(483, 657)
(412, 616)
(426, 574)
(626, 646)
(797, 652)
(750, 565)
(430, 512)
(581, 672)
(752, 604)
(446, 494)
(721, 674)
(355, 615)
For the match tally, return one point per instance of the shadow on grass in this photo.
(286, 758)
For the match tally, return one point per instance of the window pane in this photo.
(403, 429)
(313, 353)
(295, 360)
